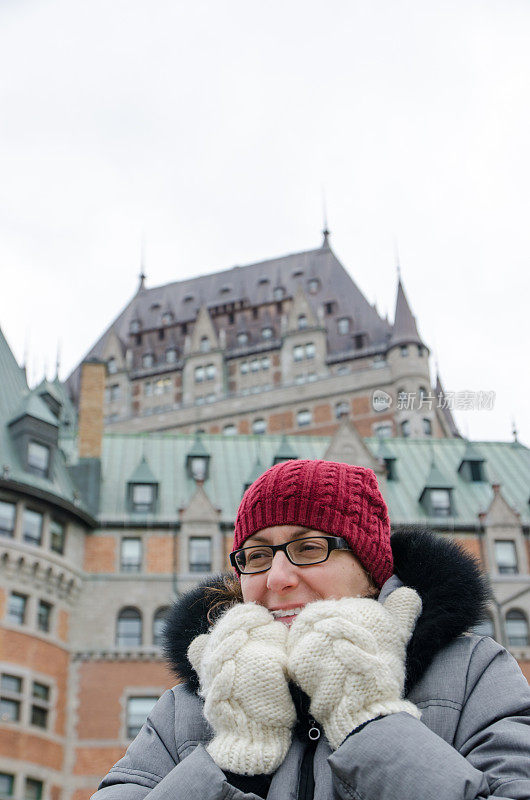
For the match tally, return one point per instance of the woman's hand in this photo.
(348, 655)
(242, 667)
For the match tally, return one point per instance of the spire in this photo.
(405, 330)
(325, 229)
(142, 276)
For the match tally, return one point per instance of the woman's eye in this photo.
(257, 555)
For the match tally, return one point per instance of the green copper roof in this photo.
(16, 400)
(285, 451)
(34, 406)
(143, 473)
(233, 462)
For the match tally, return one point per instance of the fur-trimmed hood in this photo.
(450, 583)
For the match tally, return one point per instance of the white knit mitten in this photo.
(242, 668)
(348, 655)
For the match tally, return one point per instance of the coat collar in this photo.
(449, 581)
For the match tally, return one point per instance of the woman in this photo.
(336, 664)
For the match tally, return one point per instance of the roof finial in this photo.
(142, 274)
(58, 360)
(325, 229)
(514, 432)
(396, 257)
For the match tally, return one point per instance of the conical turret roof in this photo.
(405, 330)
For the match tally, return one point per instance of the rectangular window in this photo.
(11, 684)
(9, 710)
(310, 350)
(359, 341)
(38, 459)
(143, 496)
(138, 709)
(44, 613)
(7, 783)
(16, 608)
(265, 362)
(298, 352)
(210, 372)
(200, 554)
(148, 388)
(7, 519)
(243, 367)
(131, 555)
(114, 392)
(440, 502)
(57, 536)
(39, 708)
(32, 789)
(506, 557)
(199, 374)
(32, 527)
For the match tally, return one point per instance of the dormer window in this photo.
(359, 341)
(198, 461)
(38, 459)
(112, 366)
(302, 322)
(143, 497)
(242, 338)
(440, 502)
(205, 345)
(390, 468)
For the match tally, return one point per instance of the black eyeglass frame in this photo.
(334, 543)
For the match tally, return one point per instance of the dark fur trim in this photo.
(450, 583)
(187, 619)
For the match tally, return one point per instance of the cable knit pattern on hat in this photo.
(242, 667)
(348, 655)
(339, 499)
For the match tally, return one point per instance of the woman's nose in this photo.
(282, 574)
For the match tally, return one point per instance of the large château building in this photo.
(289, 345)
(101, 528)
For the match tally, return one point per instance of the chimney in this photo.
(90, 436)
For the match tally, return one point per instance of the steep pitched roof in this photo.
(254, 283)
(405, 330)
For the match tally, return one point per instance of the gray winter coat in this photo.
(473, 739)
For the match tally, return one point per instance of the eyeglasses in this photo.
(300, 552)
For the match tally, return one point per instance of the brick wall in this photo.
(159, 553)
(91, 401)
(100, 554)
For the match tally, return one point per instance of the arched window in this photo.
(159, 621)
(129, 628)
(259, 426)
(205, 345)
(229, 430)
(516, 628)
(405, 428)
(342, 409)
(302, 322)
(304, 417)
(427, 426)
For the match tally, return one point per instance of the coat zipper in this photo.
(306, 786)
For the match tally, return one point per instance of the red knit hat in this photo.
(326, 496)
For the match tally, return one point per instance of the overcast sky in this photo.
(211, 127)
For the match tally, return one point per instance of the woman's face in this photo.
(286, 587)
